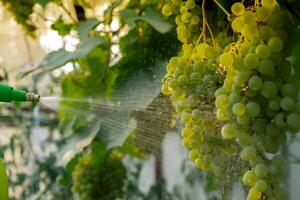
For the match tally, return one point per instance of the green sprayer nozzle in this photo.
(8, 94)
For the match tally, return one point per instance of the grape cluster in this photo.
(21, 11)
(251, 84)
(93, 182)
(259, 100)
(191, 80)
(187, 18)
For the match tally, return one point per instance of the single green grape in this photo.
(274, 103)
(288, 90)
(228, 131)
(243, 138)
(287, 103)
(249, 178)
(251, 61)
(293, 120)
(266, 67)
(222, 101)
(249, 17)
(238, 24)
(186, 117)
(275, 44)
(261, 170)
(266, 32)
(226, 59)
(255, 83)
(194, 154)
(234, 97)
(166, 10)
(269, 3)
(261, 185)
(248, 153)
(190, 4)
(254, 194)
(280, 120)
(183, 80)
(244, 119)
(238, 9)
(239, 109)
(197, 114)
(269, 89)
(241, 78)
(187, 132)
(262, 14)
(262, 51)
(253, 109)
(250, 31)
(196, 77)
(238, 63)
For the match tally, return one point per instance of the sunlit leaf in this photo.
(60, 57)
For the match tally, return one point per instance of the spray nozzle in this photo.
(8, 94)
(32, 97)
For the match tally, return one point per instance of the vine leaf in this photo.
(156, 20)
(85, 27)
(129, 16)
(61, 57)
(150, 16)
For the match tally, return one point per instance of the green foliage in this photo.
(60, 57)
(61, 27)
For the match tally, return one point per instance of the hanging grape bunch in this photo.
(192, 79)
(92, 181)
(256, 101)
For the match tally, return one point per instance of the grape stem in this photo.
(211, 34)
(222, 8)
(204, 26)
(204, 21)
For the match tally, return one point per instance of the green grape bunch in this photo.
(259, 98)
(192, 79)
(93, 182)
(241, 99)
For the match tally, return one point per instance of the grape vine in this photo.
(241, 99)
